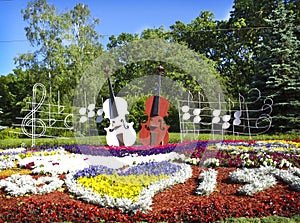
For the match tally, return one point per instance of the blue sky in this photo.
(129, 16)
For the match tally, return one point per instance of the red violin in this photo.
(154, 132)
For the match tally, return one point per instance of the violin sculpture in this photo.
(119, 132)
(154, 132)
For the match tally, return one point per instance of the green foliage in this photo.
(65, 44)
(13, 143)
(277, 68)
(199, 34)
(137, 113)
(1, 127)
(160, 33)
(9, 98)
(121, 39)
(258, 46)
(10, 133)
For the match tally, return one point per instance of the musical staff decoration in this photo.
(238, 118)
(42, 117)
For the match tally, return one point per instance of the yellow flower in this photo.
(119, 186)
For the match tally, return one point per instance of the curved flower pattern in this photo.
(255, 180)
(282, 146)
(208, 182)
(18, 185)
(290, 176)
(141, 202)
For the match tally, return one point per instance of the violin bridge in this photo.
(120, 139)
(153, 136)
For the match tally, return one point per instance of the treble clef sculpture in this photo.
(30, 119)
(155, 131)
(119, 132)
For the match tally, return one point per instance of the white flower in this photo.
(17, 185)
(295, 171)
(55, 164)
(13, 150)
(259, 179)
(245, 156)
(208, 182)
(258, 184)
(247, 163)
(284, 163)
(211, 162)
(290, 176)
(255, 180)
(7, 161)
(133, 159)
(193, 161)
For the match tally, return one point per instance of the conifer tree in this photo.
(277, 69)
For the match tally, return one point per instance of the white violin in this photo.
(119, 132)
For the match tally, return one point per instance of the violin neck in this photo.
(113, 108)
(159, 85)
(156, 99)
(155, 105)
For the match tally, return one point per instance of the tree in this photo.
(121, 39)
(9, 96)
(65, 43)
(160, 33)
(132, 71)
(277, 68)
(294, 5)
(217, 41)
(199, 35)
(1, 127)
(241, 35)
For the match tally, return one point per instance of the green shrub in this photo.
(10, 133)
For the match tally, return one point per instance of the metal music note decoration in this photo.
(89, 112)
(37, 121)
(89, 117)
(30, 120)
(240, 118)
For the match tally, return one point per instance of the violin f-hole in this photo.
(160, 125)
(124, 124)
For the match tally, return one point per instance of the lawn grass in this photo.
(269, 219)
(100, 140)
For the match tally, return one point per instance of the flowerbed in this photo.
(252, 180)
(18, 185)
(249, 154)
(129, 190)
